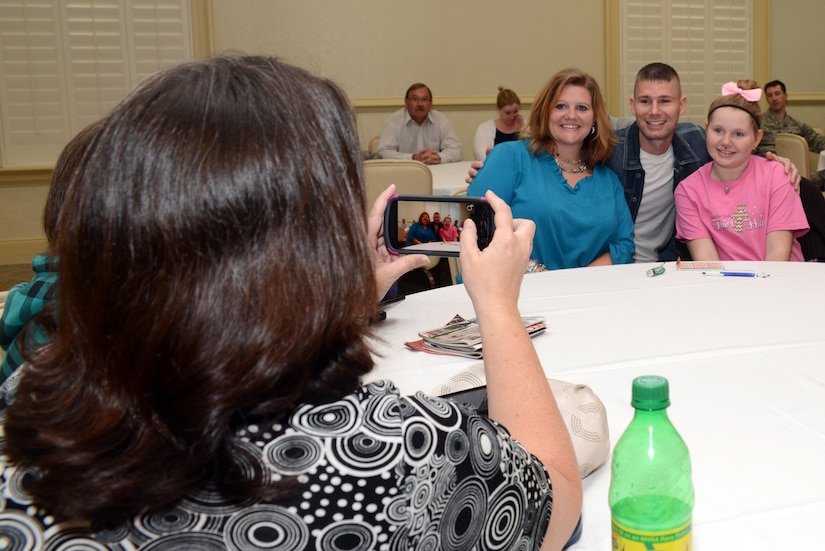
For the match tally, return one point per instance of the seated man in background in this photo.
(419, 133)
(777, 120)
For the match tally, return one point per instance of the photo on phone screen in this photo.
(432, 225)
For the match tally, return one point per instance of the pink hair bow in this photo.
(751, 95)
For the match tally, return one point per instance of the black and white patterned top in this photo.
(377, 471)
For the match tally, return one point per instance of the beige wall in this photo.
(464, 49)
(796, 52)
(22, 197)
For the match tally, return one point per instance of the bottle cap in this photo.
(650, 392)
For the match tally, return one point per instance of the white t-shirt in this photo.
(657, 214)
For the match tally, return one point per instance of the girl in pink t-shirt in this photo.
(738, 206)
(448, 232)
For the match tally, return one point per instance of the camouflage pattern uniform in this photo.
(771, 126)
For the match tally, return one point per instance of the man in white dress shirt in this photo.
(419, 133)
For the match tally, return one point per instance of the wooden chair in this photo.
(410, 178)
(373, 145)
(794, 148)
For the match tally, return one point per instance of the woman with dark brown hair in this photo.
(202, 383)
(25, 301)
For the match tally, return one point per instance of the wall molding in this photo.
(21, 251)
(203, 28)
(442, 103)
(761, 41)
(810, 98)
(25, 176)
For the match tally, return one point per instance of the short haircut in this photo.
(657, 72)
(597, 146)
(773, 83)
(416, 86)
(738, 102)
(506, 97)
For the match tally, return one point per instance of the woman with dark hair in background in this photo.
(202, 384)
(26, 300)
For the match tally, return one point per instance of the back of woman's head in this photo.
(597, 146)
(506, 97)
(195, 289)
(743, 94)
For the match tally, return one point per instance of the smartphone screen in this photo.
(432, 225)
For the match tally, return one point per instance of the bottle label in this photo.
(627, 539)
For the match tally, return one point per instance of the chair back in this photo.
(410, 177)
(795, 148)
(373, 144)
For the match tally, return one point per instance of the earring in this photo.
(592, 130)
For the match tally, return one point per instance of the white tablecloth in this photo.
(821, 165)
(449, 177)
(744, 357)
(445, 246)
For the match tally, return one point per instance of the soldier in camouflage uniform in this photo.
(777, 120)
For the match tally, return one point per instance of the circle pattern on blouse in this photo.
(374, 470)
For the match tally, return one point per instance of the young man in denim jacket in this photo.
(654, 154)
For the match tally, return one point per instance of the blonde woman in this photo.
(505, 128)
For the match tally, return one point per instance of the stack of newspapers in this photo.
(462, 337)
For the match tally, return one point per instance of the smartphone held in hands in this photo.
(432, 225)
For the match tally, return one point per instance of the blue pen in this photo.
(736, 274)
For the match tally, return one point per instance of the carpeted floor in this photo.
(13, 274)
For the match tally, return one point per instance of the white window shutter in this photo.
(708, 42)
(66, 63)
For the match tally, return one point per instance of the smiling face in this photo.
(572, 116)
(657, 106)
(731, 139)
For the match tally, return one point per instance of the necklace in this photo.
(568, 161)
(575, 170)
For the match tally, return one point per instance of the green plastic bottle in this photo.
(651, 492)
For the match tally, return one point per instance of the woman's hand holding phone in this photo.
(388, 268)
(493, 276)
